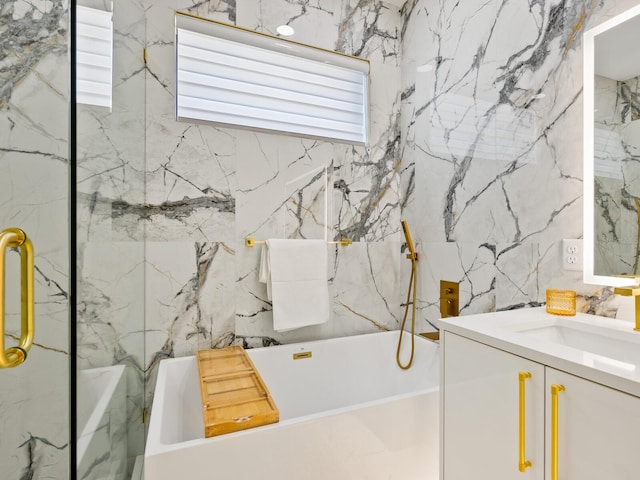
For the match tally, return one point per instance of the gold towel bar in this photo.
(252, 242)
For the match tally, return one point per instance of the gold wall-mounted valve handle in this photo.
(16, 238)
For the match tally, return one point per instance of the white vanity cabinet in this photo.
(481, 412)
(598, 427)
(598, 430)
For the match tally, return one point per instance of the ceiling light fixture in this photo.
(285, 30)
(426, 67)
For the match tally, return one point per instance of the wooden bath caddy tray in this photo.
(234, 397)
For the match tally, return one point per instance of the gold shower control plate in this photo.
(449, 299)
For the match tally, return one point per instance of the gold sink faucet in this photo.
(631, 291)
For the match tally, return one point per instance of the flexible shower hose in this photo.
(412, 283)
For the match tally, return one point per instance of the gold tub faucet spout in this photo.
(631, 291)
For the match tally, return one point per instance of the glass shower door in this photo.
(34, 194)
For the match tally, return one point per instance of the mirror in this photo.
(612, 150)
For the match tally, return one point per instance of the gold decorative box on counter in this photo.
(234, 396)
(561, 302)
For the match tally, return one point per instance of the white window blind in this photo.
(233, 76)
(94, 54)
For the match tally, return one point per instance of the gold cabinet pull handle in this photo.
(523, 464)
(16, 238)
(555, 390)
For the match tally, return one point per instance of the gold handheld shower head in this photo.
(412, 255)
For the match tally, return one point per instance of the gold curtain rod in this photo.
(252, 242)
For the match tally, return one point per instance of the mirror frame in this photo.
(588, 41)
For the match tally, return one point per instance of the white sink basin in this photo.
(599, 349)
(602, 346)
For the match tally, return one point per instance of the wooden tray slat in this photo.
(227, 375)
(234, 396)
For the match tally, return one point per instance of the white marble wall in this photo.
(209, 187)
(34, 170)
(492, 146)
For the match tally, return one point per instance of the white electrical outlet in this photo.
(572, 254)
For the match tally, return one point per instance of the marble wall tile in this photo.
(315, 22)
(492, 161)
(190, 168)
(371, 271)
(370, 30)
(471, 265)
(198, 277)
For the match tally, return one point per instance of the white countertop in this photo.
(500, 330)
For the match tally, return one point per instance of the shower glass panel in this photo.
(34, 194)
(110, 190)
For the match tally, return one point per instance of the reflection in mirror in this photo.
(612, 150)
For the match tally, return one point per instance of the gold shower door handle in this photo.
(16, 238)
(555, 390)
(523, 464)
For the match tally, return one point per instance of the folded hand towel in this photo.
(298, 277)
(264, 273)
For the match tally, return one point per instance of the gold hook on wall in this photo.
(16, 238)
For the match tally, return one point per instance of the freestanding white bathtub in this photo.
(347, 412)
(102, 424)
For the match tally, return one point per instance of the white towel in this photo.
(295, 272)
(264, 273)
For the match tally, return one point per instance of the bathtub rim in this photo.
(155, 445)
(83, 438)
